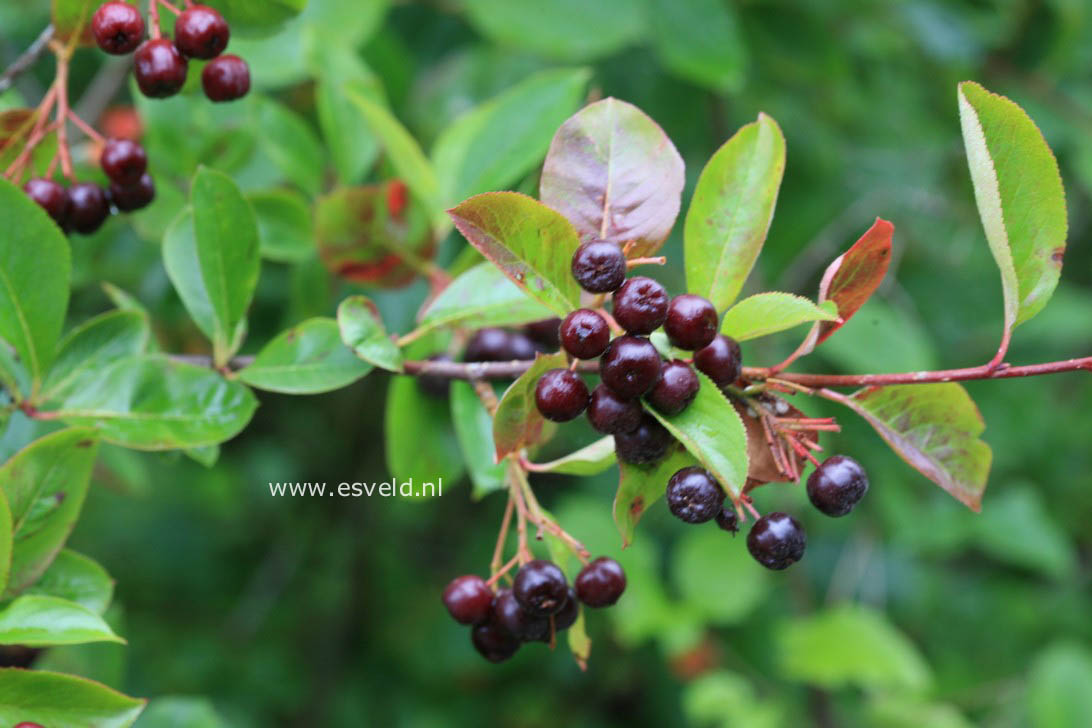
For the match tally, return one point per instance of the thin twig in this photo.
(26, 59)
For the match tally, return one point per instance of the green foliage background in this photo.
(914, 611)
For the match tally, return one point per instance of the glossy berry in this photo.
(494, 642)
(611, 414)
(545, 333)
(201, 32)
(837, 485)
(777, 541)
(159, 68)
(118, 28)
(601, 582)
(694, 496)
(640, 306)
(508, 613)
(433, 385)
(89, 207)
(133, 197)
(691, 322)
(676, 389)
(226, 78)
(570, 610)
(647, 444)
(540, 588)
(584, 334)
(51, 197)
(561, 395)
(520, 347)
(630, 366)
(488, 345)
(469, 599)
(599, 266)
(124, 161)
(720, 360)
(728, 519)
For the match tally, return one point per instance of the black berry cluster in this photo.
(161, 65)
(84, 206)
(539, 604)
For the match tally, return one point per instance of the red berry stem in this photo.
(169, 6)
(153, 19)
(63, 54)
(41, 129)
(657, 260)
(495, 567)
(86, 128)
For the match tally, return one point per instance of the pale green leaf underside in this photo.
(589, 460)
(767, 313)
(363, 332)
(482, 296)
(52, 699)
(45, 621)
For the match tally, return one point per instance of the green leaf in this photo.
(474, 430)
(43, 621)
(701, 41)
(496, 144)
(405, 154)
(767, 313)
(45, 484)
(181, 712)
(226, 242)
(850, 645)
(63, 701)
(1043, 545)
(614, 173)
(352, 152)
(289, 142)
(285, 229)
(642, 485)
(258, 17)
(731, 211)
(1059, 693)
(7, 544)
(740, 584)
(564, 29)
(362, 331)
(579, 642)
(413, 418)
(72, 19)
(34, 273)
(934, 428)
(76, 578)
(482, 296)
(527, 241)
(517, 422)
(900, 711)
(589, 460)
(1020, 198)
(94, 344)
(153, 403)
(361, 239)
(306, 359)
(206, 455)
(711, 430)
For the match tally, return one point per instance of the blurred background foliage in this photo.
(913, 612)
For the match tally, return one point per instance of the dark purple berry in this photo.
(124, 161)
(720, 360)
(837, 485)
(540, 588)
(226, 78)
(133, 197)
(25, 724)
(777, 541)
(676, 389)
(610, 414)
(520, 347)
(599, 266)
(51, 197)
(691, 322)
(159, 68)
(584, 334)
(488, 345)
(201, 32)
(508, 613)
(89, 207)
(630, 366)
(432, 384)
(647, 444)
(601, 583)
(570, 610)
(545, 333)
(469, 599)
(694, 496)
(728, 519)
(494, 642)
(561, 395)
(640, 306)
(118, 28)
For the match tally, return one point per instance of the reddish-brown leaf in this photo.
(855, 275)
